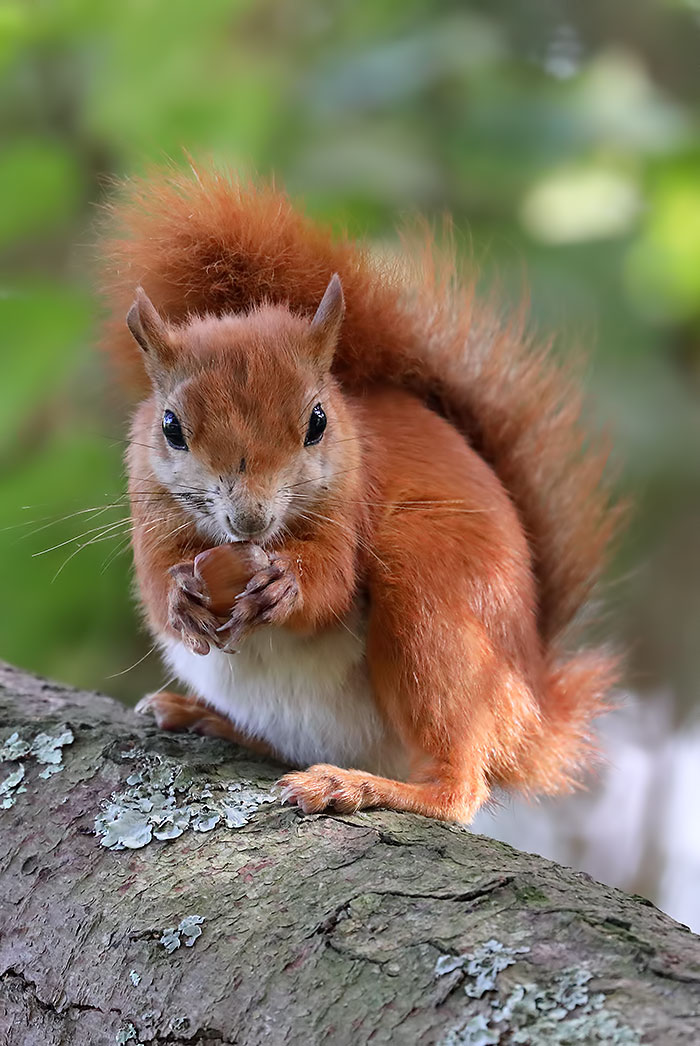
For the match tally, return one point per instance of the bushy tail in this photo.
(555, 755)
(206, 242)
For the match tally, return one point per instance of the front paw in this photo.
(271, 595)
(189, 612)
(324, 786)
(225, 570)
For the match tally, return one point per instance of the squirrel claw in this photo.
(268, 599)
(323, 786)
(188, 612)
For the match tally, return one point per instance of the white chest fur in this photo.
(307, 696)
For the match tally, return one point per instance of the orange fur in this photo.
(464, 502)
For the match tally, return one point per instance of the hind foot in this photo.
(173, 711)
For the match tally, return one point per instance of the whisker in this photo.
(135, 664)
(92, 511)
(55, 519)
(448, 503)
(103, 528)
(86, 544)
(347, 628)
(152, 479)
(334, 475)
(351, 531)
(120, 550)
(129, 442)
(347, 439)
(152, 526)
(162, 688)
(104, 536)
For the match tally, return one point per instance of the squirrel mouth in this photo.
(257, 537)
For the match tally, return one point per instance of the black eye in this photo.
(317, 426)
(173, 432)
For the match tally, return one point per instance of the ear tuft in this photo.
(133, 322)
(145, 323)
(327, 320)
(151, 333)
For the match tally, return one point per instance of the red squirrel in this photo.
(365, 513)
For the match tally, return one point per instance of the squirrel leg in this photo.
(173, 711)
(428, 687)
(454, 663)
(449, 797)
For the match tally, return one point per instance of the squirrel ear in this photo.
(151, 333)
(325, 326)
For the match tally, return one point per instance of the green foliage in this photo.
(563, 138)
(42, 179)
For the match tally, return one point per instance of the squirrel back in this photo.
(206, 243)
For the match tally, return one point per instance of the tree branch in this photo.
(381, 927)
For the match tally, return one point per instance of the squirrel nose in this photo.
(249, 524)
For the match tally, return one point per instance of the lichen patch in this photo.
(46, 749)
(187, 932)
(11, 787)
(564, 1013)
(162, 800)
(482, 966)
(128, 1034)
(14, 747)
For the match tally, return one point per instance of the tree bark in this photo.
(380, 927)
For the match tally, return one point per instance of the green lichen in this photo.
(135, 978)
(11, 787)
(241, 800)
(162, 800)
(170, 940)
(188, 929)
(48, 749)
(474, 1032)
(14, 747)
(563, 1013)
(482, 966)
(128, 1034)
(49, 771)
(44, 748)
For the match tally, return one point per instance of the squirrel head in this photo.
(248, 429)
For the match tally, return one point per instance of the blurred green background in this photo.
(562, 136)
(564, 139)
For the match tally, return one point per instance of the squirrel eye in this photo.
(173, 431)
(317, 426)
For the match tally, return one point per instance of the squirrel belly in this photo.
(308, 697)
